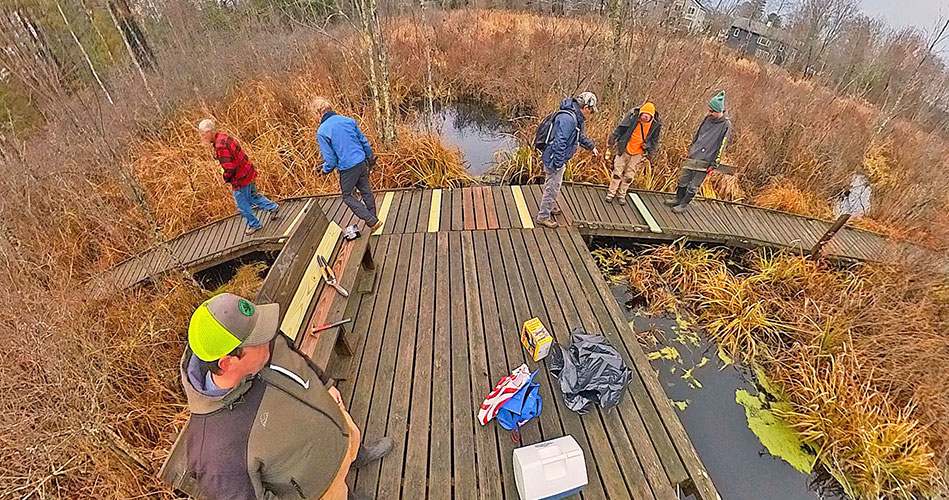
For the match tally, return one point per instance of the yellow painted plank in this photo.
(293, 320)
(522, 211)
(434, 213)
(384, 211)
(296, 219)
(641, 207)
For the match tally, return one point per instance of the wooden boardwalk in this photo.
(442, 327)
(506, 207)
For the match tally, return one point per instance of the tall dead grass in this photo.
(861, 352)
(95, 415)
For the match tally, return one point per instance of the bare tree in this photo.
(817, 24)
(368, 11)
(85, 55)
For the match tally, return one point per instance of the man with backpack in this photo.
(705, 153)
(636, 139)
(557, 137)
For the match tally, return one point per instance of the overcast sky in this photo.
(898, 13)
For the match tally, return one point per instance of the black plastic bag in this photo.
(589, 371)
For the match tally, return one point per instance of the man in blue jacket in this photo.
(345, 148)
(567, 133)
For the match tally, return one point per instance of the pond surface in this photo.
(739, 465)
(477, 130)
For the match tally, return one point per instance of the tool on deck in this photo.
(318, 329)
(330, 276)
(351, 233)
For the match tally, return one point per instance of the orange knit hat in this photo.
(648, 108)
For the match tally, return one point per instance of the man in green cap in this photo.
(265, 423)
(705, 153)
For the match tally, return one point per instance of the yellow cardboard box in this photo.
(536, 339)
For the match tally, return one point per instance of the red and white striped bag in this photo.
(504, 390)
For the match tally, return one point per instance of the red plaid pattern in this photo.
(238, 170)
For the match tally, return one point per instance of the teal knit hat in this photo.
(717, 103)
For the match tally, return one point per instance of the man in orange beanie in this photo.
(635, 139)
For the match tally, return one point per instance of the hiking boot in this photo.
(375, 226)
(548, 223)
(621, 200)
(678, 209)
(608, 199)
(275, 213)
(251, 230)
(371, 452)
(671, 202)
(556, 211)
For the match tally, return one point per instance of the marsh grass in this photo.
(858, 351)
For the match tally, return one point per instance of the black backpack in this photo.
(546, 129)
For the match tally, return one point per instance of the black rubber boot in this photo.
(680, 194)
(684, 204)
(371, 452)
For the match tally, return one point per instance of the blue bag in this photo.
(524, 405)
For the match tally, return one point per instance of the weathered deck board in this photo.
(504, 207)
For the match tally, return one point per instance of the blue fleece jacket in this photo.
(342, 144)
(567, 133)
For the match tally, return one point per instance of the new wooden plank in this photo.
(435, 211)
(500, 207)
(312, 278)
(526, 220)
(490, 209)
(644, 213)
(425, 211)
(486, 439)
(463, 421)
(417, 465)
(591, 425)
(384, 209)
(480, 213)
(507, 198)
(457, 209)
(391, 474)
(368, 478)
(285, 273)
(570, 421)
(467, 204)
(693, 465)
(440, 461)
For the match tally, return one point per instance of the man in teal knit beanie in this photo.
(705, 153)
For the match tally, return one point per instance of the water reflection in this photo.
(477, 130)
(739, 465)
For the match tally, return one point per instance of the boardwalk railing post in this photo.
(819, 246)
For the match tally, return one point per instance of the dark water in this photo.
(477, 130)
(739, 465)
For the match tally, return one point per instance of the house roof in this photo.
(761, 29)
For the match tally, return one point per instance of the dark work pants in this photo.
(350, 180)
(689, 183)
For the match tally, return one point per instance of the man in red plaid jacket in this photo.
(240, 173)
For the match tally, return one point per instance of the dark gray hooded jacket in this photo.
(709, 141)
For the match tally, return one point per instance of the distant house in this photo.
(759, 40)
(689, 15)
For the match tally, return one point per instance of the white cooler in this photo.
(550, 470)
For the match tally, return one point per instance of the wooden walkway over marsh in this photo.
(644, 217)
(439, 294)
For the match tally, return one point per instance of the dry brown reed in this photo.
(860, 352)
